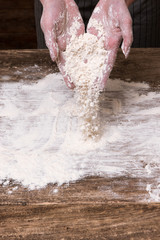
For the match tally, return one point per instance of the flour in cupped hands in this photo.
(86, 61)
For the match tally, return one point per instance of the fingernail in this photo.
(127, 52)
(122, 47)
(52, 55)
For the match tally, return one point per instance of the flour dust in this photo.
(40, 142)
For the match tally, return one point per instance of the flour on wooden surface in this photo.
(40, 142)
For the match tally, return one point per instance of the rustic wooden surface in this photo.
(92, 208)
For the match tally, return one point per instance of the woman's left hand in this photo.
(116, 21)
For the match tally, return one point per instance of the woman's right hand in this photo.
(57, 22)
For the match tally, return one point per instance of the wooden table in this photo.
(81, 210)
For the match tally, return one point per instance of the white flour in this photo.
(40, 142)
(86, 61)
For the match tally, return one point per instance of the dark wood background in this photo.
(17, 24)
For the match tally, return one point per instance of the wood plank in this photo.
(17, 4)
(21, 60)
(142, 65)
(89, 189)
(17, 21)
(105, 220)
(18, 40)
(81, 210)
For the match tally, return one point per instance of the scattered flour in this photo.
(40, 142)
(5, 78)
(85, 64)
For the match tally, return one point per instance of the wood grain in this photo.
(17, 21)
(16, 4)
(78, 220)
(93, 208)
(17, 28)
(82, 210)
(18, 40)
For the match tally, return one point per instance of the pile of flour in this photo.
(86, 59)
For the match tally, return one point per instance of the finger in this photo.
(111, 45)
(61, 66)
(127, 34)
(51, 43)
(108, 67)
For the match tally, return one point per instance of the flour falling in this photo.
(86, 61)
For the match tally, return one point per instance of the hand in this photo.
(56, 22)
(116, 21)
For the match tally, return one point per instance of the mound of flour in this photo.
(85, 64)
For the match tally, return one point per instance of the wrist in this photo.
(46, 1)
(129, 2)
(42, 1)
